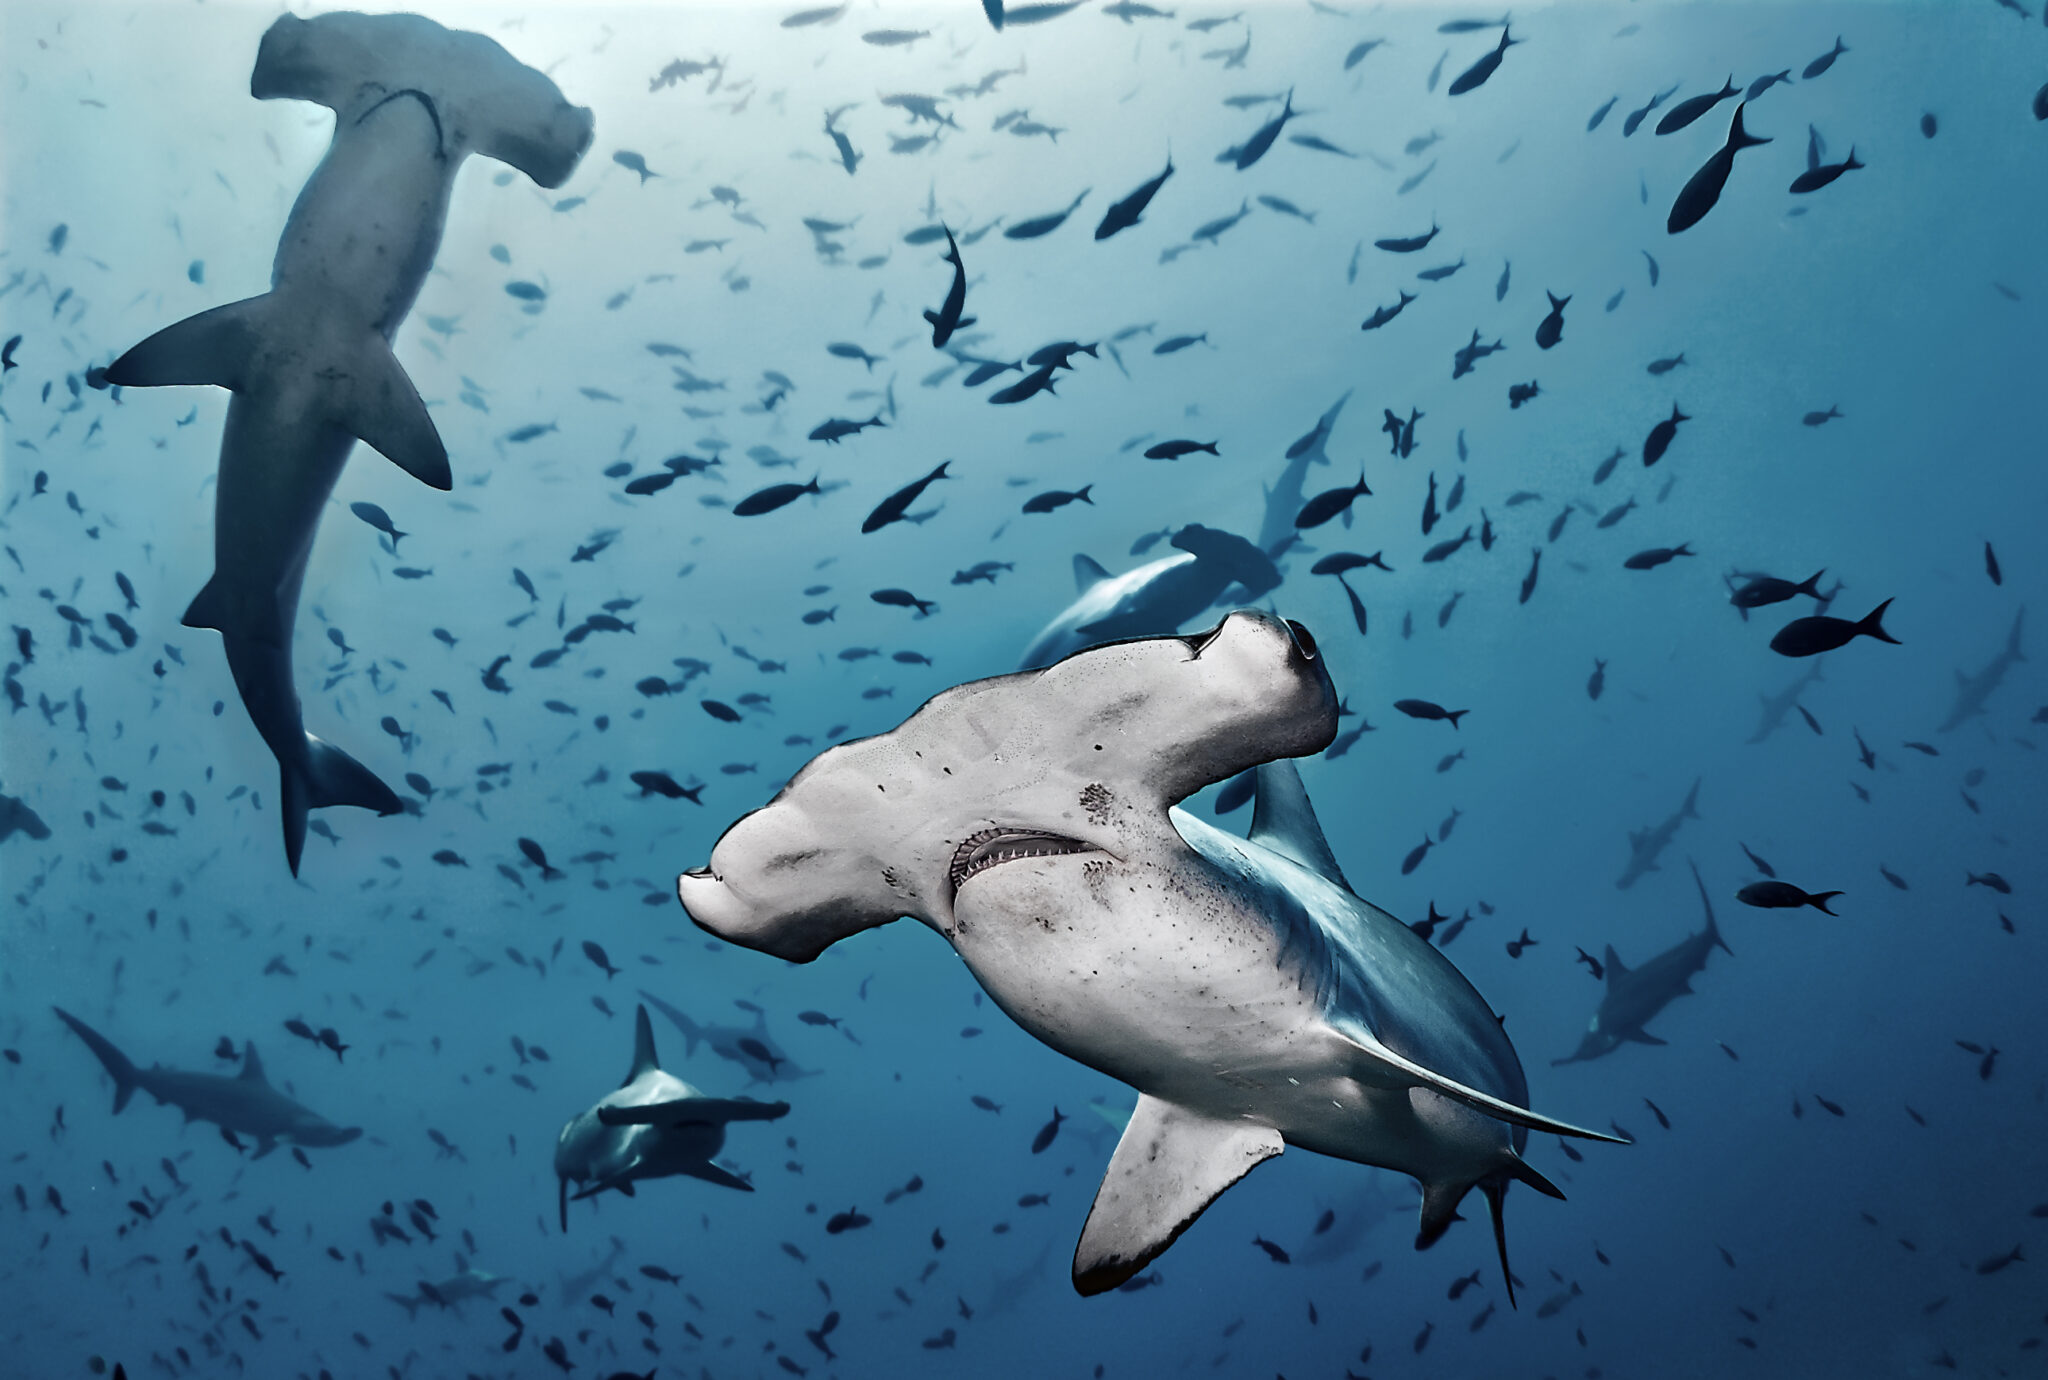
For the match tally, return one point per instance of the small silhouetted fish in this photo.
(1815, 178)
(1775, 895)
(1054, 499)
(1824, 61)
(1278, 1255)
(1821, 418)
(1661, 435)
(1601, 114)
(1174, 450)
(1658, 1112)
(1990, 879)
(774, 496)
(1382, 315)
(1703, 190)
(1424, 709)
(1656, 556)
(379, 519)
(1408, 244)
(1331, 502)
(594, 951)
(1821, 633)
(1416, 855)
(850, 1220)
(1690, 109)
(1765, 590)
(537, 855)
(1475, 76)
(1551, 329)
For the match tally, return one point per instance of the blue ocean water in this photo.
(1839, 1182)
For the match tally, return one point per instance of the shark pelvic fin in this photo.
(644, 1058)
(1169, 1166)
(713, 1174)
(213, 347)
(1385, 1068)
(379, 405)
(1284, 821)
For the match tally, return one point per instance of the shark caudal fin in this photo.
(332, 777)
(1169, 1166)
(371, 398)
(127, 1078)
(1713, 931)
(410, 1303)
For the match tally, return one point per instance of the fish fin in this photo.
(381, 407)
(264, 1146)
(713, 1174)
(208, 608)
(1872, 624)
(213, 347)
(1439, 1209)
(1087, 573)
(1642, 1037)
(1384, 1068)
(252, 1064)
(332, 777)
(932, 317)
(644, 1058)
(1284, 821)
(118, 1065)
(1169, 1166)
(687, 1111)
(1612, 962)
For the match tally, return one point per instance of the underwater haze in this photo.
(1694, 419)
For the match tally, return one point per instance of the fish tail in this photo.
(1740, 138)
(1819, 901)
(1455, 714)
(1873, 625)
(329, 777)
(119, 1067)
(1811, 584)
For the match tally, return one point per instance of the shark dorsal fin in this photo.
(252, 1064)
(1615, 967)
(644, 1057)
(1284, 821)
(1087, 574)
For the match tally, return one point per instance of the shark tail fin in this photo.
(332, 777)
(119, 1067)
(644, 1057)
(213, 347)
(1169, 1166)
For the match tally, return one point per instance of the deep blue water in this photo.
(1762, 1233)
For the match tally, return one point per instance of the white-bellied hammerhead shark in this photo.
(1644, 845)
(653, 1126)
(244, 1103)
(1155, 598)
(310, 361)
(1635, 995)
(1973, 691)
(1252, 999)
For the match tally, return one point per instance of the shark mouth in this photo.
(993, 847)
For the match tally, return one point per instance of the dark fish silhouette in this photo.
(774, 496)
(1775, 895)
(947, 319)
(1703, 189)
(1122, 215)
(1551, 329)
(1661, 435)
(1475, 76)
(1693, 107)
(893, 508)
(1821, 633)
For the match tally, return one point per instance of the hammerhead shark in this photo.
(244, 1103)
(451, 1293)
(310, 361)
(1644, 845)
(655, 1125)
(749, 1046)
(1277, 532)
(1156, 597)
(1239, 984)
(1635, 995)
(1973, 691)
(1776, 707)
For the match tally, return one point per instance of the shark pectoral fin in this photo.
(264, 1146)
(213, 347)
(382, 408)
(1169, 1166)
(712, 1174)
(1284, 821)
(1383, 1065)
(1644, 1037)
